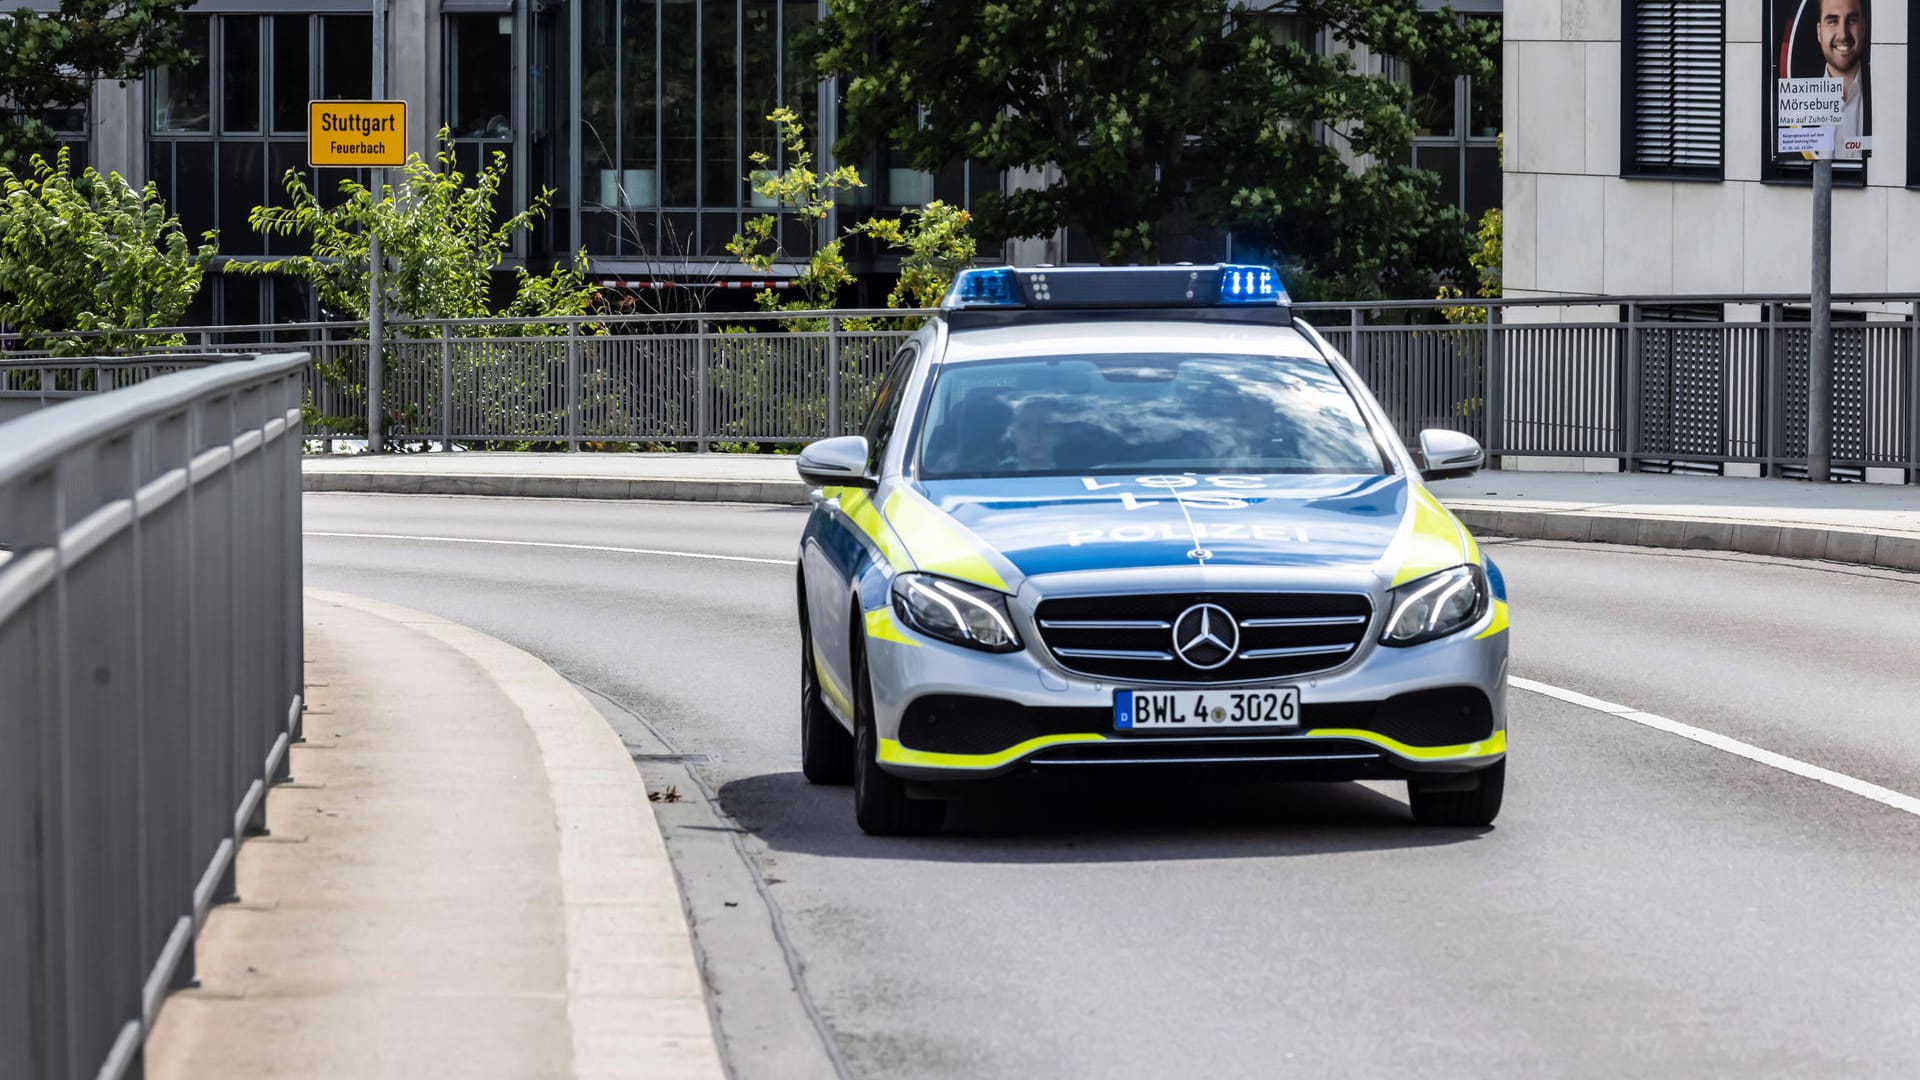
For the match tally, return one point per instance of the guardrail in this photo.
(1668, 383)
(150, 683)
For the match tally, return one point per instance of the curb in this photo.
(636, 1003)
(1859, 547)
(767, 492)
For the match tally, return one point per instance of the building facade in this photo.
(642, 116)
(1639, 157)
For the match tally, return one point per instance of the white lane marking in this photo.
(546, 544)
(1883, 796)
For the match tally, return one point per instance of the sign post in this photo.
(1806, 112)
(363, 134)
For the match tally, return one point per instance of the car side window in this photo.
(885, 412)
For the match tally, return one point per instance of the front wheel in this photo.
(880, 803)
(1470, 808)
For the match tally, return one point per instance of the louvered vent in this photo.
(1675, 61)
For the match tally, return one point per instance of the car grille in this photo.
(1131, 637)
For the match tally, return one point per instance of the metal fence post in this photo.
(446, 387)
(573, 386)
(1913, 393)
(1493, 385)
(1773, 402)
(1630, 413)
(833, 376)
(702, 387)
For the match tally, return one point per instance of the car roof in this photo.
(1081, 336)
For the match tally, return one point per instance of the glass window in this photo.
(243, 186)
(1148, 412)
(719, 106)
(240, 73)
(638, 181)
(479, 76)
(884, 413)
(192, 194)
(679, 103)
(346, 60)
(180, 97)
(760, 80)
(1483, 101)
(1433, 97)
(803, 86)
(291, 63)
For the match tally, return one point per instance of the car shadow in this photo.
(1094, 819)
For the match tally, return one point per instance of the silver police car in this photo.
(1140, 518)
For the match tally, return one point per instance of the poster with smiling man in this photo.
(1831, 39)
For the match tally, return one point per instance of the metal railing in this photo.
(150, 683)
(1589, 377)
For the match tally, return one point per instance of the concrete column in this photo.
(117, 120)
(413, 68)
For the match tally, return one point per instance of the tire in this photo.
(1474, 808)
(880, 803)
(826, 750)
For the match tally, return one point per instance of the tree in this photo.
(91, 253)
(809, 195)
(1149, 121)
(54, 58)
(437, 236)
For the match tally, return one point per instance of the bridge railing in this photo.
(150, 683)
(1665, 383)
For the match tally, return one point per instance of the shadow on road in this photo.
(1094, 819)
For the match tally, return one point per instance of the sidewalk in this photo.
(1870, 524)
(463, 879)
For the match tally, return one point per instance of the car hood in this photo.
(1045, 525)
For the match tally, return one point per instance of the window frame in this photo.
(1631, 166)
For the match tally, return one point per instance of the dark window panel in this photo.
(243, 177)
(720, 105)
(480, 75)
(291, 65)
(1444, 160)
(599, 96)
(180, 97)
(678, 240)
(949, 185)
(346, 59)
(79, 154)
(193, 176)
(796, 235)
(1434, 93)
(282, 156)
(240, 73)
(981, 180)
(160, 171)
(760, 78)
(638, 180)
(1483, 179)
(803, 86)
(240, 299)
(715, 231)
(291, 302)
(1483, 102)
(679, 104)
(200, 309)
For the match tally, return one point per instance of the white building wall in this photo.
(1573, 226)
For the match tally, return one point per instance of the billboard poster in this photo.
(1828, 41)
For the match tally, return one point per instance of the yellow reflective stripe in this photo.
(893, 753)
(938, 545)
(857, 504)
(880, 625)
(831, 687)
(1494, 744)
(1499, 620)
(1435, 541)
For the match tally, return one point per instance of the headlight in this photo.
(1436, 605)
(951, 611)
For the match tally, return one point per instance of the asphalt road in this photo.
(1647, 905)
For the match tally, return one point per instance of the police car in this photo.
(1140, 518)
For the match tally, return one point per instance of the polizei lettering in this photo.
(1137, 534)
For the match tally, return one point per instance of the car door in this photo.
(838, 549)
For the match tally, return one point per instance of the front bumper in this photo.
(1359, 720)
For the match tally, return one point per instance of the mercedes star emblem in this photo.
(1205, 636)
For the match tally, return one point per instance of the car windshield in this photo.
(1186, 412)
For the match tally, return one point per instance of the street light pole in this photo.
(1820, 348)
(375, 321)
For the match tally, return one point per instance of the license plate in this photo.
(1186, 710)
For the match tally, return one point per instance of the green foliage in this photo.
(52, 60)
(438, 240)
(934, 246)
(1486, 261)
(91, 253)
(1156, 120)
(810, 195)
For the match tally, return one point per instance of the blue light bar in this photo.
(988, 288)
(1251, 285)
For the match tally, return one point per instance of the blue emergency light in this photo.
(1117, 288)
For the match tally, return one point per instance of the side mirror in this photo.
(1446, 454)
(837, 462)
